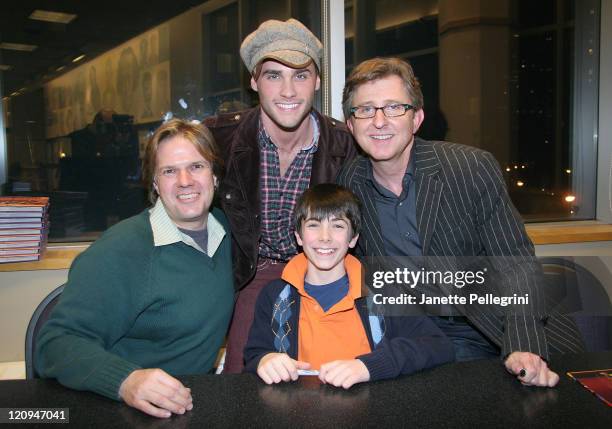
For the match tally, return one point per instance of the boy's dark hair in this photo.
(327, 200)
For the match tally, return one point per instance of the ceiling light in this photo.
(79, 58)
(4, 67)
(60, 68)
(18, 46)
(50, 16)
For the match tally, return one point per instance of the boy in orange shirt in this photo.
(315, 320)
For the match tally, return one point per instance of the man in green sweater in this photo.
(152, 298)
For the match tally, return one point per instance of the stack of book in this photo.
(24, 228)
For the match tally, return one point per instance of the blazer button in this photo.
(228, 196)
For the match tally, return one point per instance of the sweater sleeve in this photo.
(98, 306)
(261, 335)
(409, 344)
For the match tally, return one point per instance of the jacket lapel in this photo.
(371, 240)
(330, 155)
(428, 189)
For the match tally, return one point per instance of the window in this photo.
(518, 79)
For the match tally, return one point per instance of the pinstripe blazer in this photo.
(463, 209)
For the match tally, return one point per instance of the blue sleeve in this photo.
(409, 344)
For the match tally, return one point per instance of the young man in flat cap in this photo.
(273, 152)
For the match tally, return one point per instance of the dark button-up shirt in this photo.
(398, 224)
(398, 215)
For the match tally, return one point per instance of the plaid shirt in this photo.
(278, 194)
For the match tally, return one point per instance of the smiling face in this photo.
(185, 182)
(385, 139)
(325, 243)
(285, 94)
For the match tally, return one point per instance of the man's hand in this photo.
(344, 373)
(534, 368)
(277, 367)
(155, 392)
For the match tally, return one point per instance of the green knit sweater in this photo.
(130, 305)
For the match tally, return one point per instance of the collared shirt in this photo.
(166, 232)
(398, 214)
(279, 194)
(398, 225)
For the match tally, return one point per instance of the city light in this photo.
(520, 183)
(51, 16)
(570, 198)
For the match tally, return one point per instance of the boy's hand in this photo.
(277, 367)
(344, 373)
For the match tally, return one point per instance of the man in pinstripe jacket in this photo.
(424, 198)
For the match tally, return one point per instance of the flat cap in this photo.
(288, 42)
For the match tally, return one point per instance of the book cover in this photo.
(24, 237)
(21, 231)
(20, 251)
(27, 204)
(20, 244)
(6, 225)
(18, 258)
(26, 215)
(598, 381)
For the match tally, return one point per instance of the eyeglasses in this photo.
(390, 110)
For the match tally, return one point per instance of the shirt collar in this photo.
(165, 231)
(408, 175)
(264, 139)
(295, 273)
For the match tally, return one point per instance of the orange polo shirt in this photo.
(337, 333)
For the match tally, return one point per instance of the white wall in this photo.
(20, 294)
